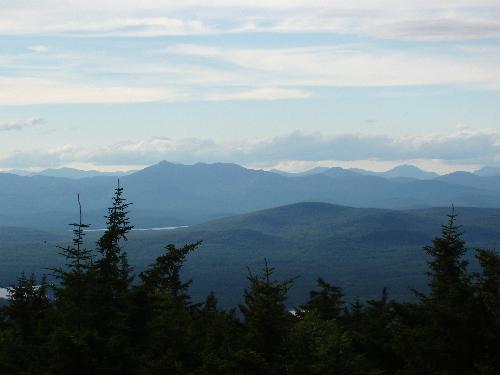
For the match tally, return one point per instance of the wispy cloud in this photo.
(184, 72)
(29, 91)
(201, 61)
(20, 124)
(350, 65)
(39, 48)
(264, 93)
(422, 20)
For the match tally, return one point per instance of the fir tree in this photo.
(73, 279)
(266, 318)
(165, 315)
(112, 271)
(164, 275)
(445, 322)
(28, 303)
(114, 260)
(110, 278)
(447, 274)
(69, 340)
(327, 301)
(28, 314)
(488, 290)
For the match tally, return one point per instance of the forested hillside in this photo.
(97, 319)
(362, 250)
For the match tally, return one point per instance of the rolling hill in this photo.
(360, 249)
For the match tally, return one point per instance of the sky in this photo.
(292, 84)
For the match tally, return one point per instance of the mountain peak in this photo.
(411, 171)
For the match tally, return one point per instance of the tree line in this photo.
(97, 318)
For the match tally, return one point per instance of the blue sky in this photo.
(289, 84)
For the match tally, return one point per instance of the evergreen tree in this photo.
(110, 278)
(323, 346)
(69, 341)
(267, 320)
(489, 281)
(375, 339)
(164, 275)
(28, 303)
(113, 266)
(448, 279)
(488, 290)
(28, 314)
(445, 323)
(219, 339)
(166, 315)
(327, 301)
(71, 292)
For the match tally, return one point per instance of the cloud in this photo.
(423, 20)
(463, 146)
(213, 68)
(47, 157)
(39, 48)
(35, 91)
(187, 72)
(348, 65)
(29, 91)
(20, 124)
(264, 93)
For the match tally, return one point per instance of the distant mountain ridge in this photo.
(401, 171)
(168, 194)
(65, 172)
(488, 171)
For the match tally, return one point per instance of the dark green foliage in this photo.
(98, 321)
(451, 312)
(327, 302)
(28, 320)
(320, 346)
(165, 315)
(164, 276)
(488, 292)
(267, 319)
(72, 325)
(71, 292)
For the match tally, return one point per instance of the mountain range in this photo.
(400, 171)
(68, 173)
(168, 194)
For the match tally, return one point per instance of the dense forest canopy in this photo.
(97, 318)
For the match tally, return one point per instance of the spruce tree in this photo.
(69, 340)
(164, 313)
(267, 319)
(72, 290)
(448, 279)
(488, 292)
(489, 281)
(110, 277)
(113, 264)
(327, 301)
(111, 271)
(445, 322)
(28, 315)
(164, 275)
